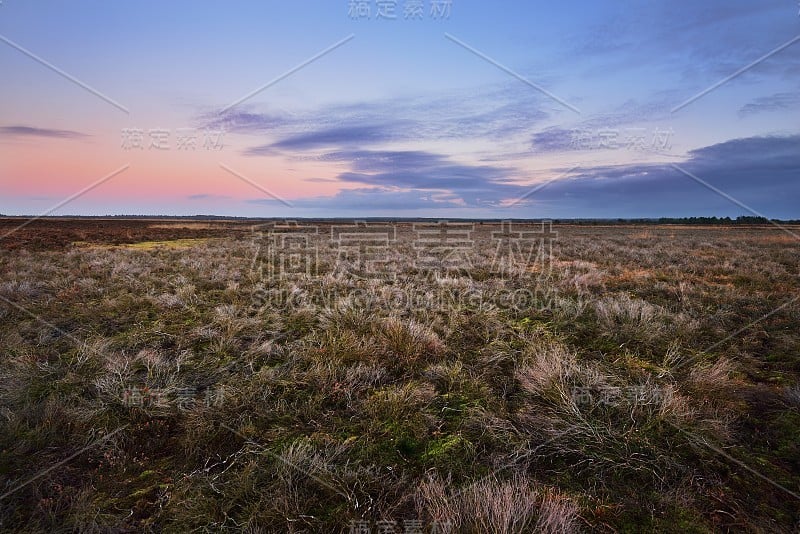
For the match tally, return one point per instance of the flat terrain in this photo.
(210, 375)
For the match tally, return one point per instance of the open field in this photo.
(189, 375)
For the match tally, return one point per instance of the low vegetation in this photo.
(178, 377)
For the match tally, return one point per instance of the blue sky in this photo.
(520, 109)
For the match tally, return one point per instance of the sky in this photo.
(406, 108)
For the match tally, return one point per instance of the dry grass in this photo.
(511, 506)
(596, 400)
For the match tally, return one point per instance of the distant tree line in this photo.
(742, 219)
(722, 221)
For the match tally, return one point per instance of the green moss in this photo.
(450, 453)
(147, 473)
(170, 244)
(675, 519)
